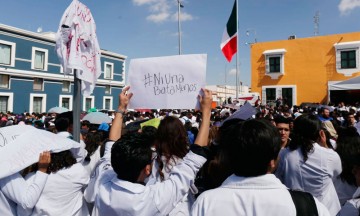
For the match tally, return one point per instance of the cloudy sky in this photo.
(148, 28)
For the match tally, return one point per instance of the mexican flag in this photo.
(229, 40)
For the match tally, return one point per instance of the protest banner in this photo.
(21, 145)
(170, 82)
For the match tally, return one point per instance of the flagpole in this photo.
(237, 51)
(76, 107)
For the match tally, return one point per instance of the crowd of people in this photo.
(280, 161)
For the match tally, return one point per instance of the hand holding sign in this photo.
(171, 82)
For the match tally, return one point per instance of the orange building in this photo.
(306, 69)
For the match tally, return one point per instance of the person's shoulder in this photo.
(209, 195)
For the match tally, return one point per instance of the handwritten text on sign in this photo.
(171, 82)
(168, 83)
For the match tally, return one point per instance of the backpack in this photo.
(304, 203)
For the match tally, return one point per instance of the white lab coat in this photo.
(352, 206)
(94, 159)
(77, 46)
(118, 197)
(62, 194)
(314, 176)
(184, 206)
(103, 165)
(344, 190)
(15, 191)
(249, 196)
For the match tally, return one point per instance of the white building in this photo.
(222, 92)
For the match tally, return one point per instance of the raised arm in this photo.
(205, 108)
(16, 189)
(116, 127)
(183, 175)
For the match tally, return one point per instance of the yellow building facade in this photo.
(301, 70)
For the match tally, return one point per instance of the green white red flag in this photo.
(229, 40)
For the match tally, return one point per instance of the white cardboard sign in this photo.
(170, 82)
(21, 145)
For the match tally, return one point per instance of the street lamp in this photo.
(179, 26)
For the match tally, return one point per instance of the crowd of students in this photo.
(281, 161)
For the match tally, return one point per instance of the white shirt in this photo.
(184, 206)
(352, 206)
(344, 190)
(249, 196)
(62, 194)
(119, 197)
(15, 191)
(94, 159)
(314, 176)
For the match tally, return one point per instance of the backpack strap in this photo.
(304, 203)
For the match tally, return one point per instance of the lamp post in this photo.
(179, 24)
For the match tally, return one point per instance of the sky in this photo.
(149, 28)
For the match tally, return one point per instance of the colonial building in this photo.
(306, 69)
(32, 79)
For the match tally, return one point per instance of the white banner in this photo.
(21, 145)
(170, 82)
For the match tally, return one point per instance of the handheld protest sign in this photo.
(21, 145)
(170, 82)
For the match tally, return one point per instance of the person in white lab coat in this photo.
(252, 147)
(15, 191)
(352, 206)
(63, 191)
(64, 128)
(308, 164)
(121, 188)
(348, 143)
(171, 146)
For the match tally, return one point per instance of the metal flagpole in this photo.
(237, 51)
(76, 107)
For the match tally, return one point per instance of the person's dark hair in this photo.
(61, 160)
(250, 146)
(92, 141)
(348, 146)
(281, 120)
(150, 133)
(129, 155)
(306, 132)
(62, 124)
(171, 140)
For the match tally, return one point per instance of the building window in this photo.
(270, 95)
(39, 59)
(107, 103)
(4, 101)
(66, 101)
(66, 86)
(37, 103)
(348, 59)
(108, 70)
(88, 103)
(38, 84)
(4, 81)
(287, 93)
(7, 53)
(107, 89)
(274, 63)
